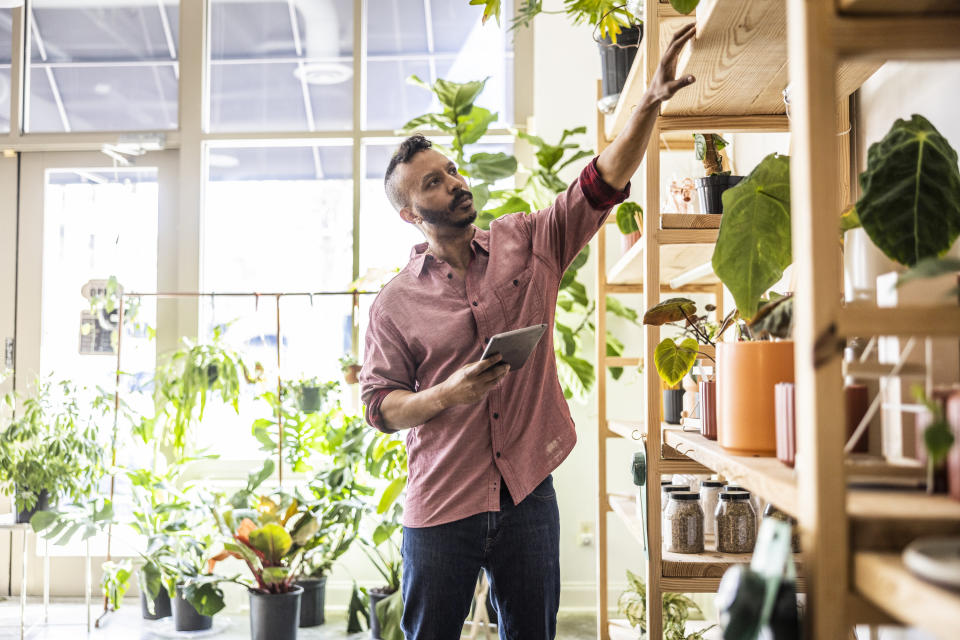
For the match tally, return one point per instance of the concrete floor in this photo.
(68, 622)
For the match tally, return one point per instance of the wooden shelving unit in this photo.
(742, 56)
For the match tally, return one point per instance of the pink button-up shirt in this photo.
(427, 322)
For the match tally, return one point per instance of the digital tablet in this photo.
(514, 346)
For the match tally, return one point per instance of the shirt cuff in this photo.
(374, 415)
(599, 194)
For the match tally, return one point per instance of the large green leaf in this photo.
(456, 95)
(273, 541)
(673, 361)
(684, 6)
(627, 214)
(473, 126)
(671, 310)
(910, 205)
(390, 615)
(753, 247)
(490, 8)
(490, 166)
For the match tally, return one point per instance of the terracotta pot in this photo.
(746, 375)
(953, 458)
(786, 420)
(629, 239)
(350, 374)
(708, 409)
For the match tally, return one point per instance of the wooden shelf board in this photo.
(675, 261)
(864, 320)
(894, 7)
(883, 580)
(768, 477)
(880, 519)
(626, 507)
(739, 57)
(625, 429)
(689, 221)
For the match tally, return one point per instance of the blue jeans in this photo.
(518, 547)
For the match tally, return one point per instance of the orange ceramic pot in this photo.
(746, 409)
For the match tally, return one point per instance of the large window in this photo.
(6, 33)
(102, 66)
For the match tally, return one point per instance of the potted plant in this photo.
(620, 31)
(711, 187)
(674, 358)
(311, 393)
(198, 595)
(50, 454)
(676, 611)
(336, 498)
(752, 251)
(350, 368)
(630, 223)
(386, 601)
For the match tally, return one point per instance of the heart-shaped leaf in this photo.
(673, 361)
(910, 205)
(753, 246)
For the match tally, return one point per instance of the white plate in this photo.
(935, 559)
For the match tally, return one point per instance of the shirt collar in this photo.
(419, 256)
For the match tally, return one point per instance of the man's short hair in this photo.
(404, 153)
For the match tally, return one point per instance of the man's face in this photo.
(437, 193)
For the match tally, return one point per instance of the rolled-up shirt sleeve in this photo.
(388, 366)
(563, 229)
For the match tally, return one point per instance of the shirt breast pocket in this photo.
(521, 301)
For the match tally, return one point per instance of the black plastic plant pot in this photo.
(309, 399)
(213, 372)
(275, 616)
(375, 597)
(616, 59)
(186, 617)
(711, 191)
(312, 601)
(672, 405)
(43, 504)
(161, 606)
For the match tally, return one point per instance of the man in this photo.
(483, 441)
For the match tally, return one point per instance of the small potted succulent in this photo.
(350, 368)
(716, 180)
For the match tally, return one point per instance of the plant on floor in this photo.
(384, 554)
(52, 448)
(185, 378)
(677, 609)
(467, 123)
(115, 581)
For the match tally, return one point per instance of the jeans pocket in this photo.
(544, 491)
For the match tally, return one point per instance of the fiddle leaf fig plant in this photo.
(910, 205)
(753, 246)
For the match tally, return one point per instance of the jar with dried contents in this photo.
(665, 492)
(709, 498)
(683, 523)
(736, 523)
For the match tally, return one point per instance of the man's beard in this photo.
(443, 217)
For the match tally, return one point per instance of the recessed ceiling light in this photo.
(101, 88)
(323, 73)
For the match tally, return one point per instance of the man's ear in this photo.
(409, 216)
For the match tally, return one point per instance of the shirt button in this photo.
(474, 303)
(496, 415)
(498, 454)
(516, 283)
(450, 276)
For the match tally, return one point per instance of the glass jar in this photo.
(772, 512)
(754, 500)
(683, 523)
(709, 498)
(665, 492)
(736, 523)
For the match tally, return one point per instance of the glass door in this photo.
(87, 225)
